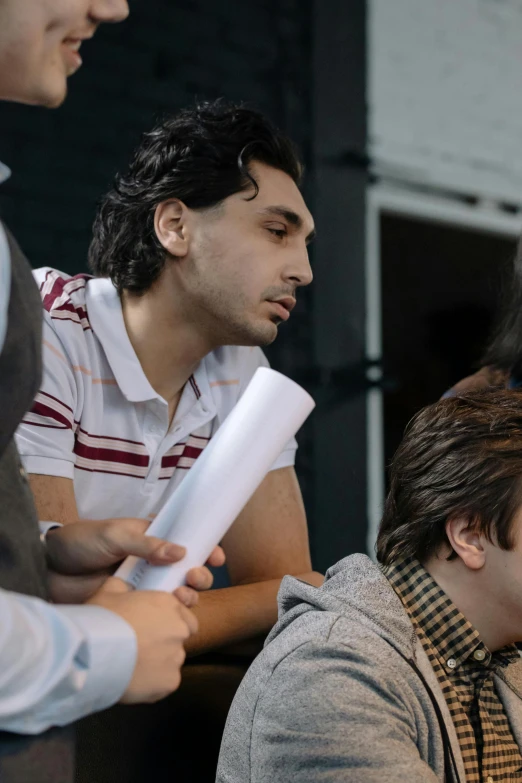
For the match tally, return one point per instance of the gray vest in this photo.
(48, 758)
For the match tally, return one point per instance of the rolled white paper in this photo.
(224, 477)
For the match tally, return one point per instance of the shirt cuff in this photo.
(110, 655)
(48, 466)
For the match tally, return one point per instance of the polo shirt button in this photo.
(490, 779)
(479, 655)
(22, 472)
(452, 663)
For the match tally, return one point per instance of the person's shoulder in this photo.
(329, 663)
(320, 652)
(67, 329)
(63, 296)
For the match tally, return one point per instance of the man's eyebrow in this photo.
(291, 217)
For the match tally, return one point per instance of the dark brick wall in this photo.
(165, 54)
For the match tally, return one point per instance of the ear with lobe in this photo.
(170, 224)
(466, 541)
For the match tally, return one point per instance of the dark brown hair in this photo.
(461, 456)
(201, 156)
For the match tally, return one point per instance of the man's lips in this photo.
(283, 306)
(71, 48)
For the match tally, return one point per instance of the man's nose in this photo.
(109, 10)
(299, 270)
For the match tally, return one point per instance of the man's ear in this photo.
(466, 541)
(170, 225)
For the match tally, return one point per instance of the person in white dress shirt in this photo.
(58, 663)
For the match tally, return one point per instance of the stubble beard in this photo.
(225, 313)
(240, 331)
(230, 325)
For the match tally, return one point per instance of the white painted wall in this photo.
(445, 93)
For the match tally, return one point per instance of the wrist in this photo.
(76, 549)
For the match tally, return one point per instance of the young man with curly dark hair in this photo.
(198, 253)
(406, 670)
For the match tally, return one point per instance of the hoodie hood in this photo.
(353, 587)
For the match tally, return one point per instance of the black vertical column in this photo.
(339, 520)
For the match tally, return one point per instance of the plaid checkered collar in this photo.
(429, 608)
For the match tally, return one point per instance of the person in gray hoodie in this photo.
(405, 671)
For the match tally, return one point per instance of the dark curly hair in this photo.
(200, 156)
(461, 456)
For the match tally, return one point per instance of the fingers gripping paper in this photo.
(225, 476)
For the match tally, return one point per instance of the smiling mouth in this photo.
(73, 43)
(71, 49)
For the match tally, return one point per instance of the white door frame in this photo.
(384, 198)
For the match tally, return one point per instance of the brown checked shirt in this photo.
(464, 668)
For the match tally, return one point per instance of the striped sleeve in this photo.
(253, 359)
(45, 438)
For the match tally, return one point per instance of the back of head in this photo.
(201, 157)
(460, 456)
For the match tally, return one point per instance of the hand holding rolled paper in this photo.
(224, 478)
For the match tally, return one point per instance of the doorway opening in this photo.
(435, 269)
(440, 289)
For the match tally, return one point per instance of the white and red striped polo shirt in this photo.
(97, 419)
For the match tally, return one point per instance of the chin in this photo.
(51, 90)
(266, 336)
(259, 336)
(49, 99)
(54, 98)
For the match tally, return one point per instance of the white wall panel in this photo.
(445, 93)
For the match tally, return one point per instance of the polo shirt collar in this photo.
(106, 318)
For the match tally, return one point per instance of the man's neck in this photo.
(475, 598)
(169, 347)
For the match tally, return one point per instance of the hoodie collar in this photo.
(354, 586)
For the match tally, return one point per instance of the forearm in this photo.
(236, 614)
(54, 498)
